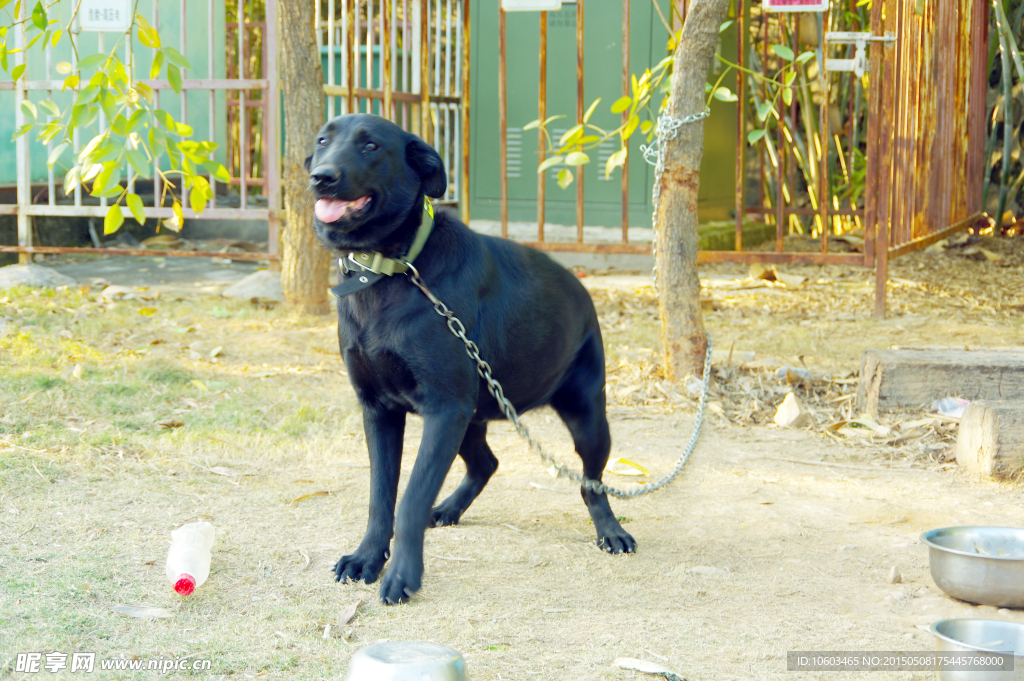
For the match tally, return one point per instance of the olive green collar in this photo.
(377, 263)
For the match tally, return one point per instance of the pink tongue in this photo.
(332, 210)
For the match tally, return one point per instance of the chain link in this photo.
(667, 129)
(560, 470)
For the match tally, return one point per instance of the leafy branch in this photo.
(137, 132)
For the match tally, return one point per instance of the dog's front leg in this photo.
(384, 432)
(442, 434)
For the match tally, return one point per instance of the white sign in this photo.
(795, 5)
(531, 5)
(105, 15)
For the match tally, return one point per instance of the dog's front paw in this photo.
(359, 567)
(617, 542)
(401, 582)
(444, 515)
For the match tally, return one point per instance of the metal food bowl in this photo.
(978, 639)
(407, 661)
(978, 564)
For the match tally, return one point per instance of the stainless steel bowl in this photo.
(978, 639)
(978, 564)
(407, 661)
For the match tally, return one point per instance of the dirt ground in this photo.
(123, 424)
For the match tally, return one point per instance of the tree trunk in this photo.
(682, 327)
(305, 264)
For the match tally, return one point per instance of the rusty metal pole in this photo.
(871, 183)
(625, 117)
(424, 70)
(741, 121)
(579, 114)
(350, 75)
(464, 110)
(22, 146)
(823, 188)
(502, 125)
(385, 41)
(542, 113)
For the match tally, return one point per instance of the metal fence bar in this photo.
(741, 121)
(243, 113)
(385, 41)
(579, 116)
(502, 125)
(210, 72)
(464, 112)
(542, 114)
(625, 116)
(21, 145)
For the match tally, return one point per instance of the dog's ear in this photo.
(309, 160)
(427, 163)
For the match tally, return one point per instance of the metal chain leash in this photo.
(557, 469)
(667, 129)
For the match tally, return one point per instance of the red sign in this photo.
(795, 5)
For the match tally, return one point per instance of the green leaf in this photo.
(21, 131)
(88, 94)
(29, 109)
(725, 25)
(135, 206)
(755, 135)
(548, 162)
(615, 160)
(113, 221)
(645, 127)
(147, 34)
(197, 199)
(590, 110)
(70, 82)
(564, 178)
(532, 124)
(219, 172)
(56, 37)
(805, 57)
(783, 52)
(621, 104)
(787, 95)
(174, 78)
(18, 70)
(106, 98)
(182, 129)
(139, 162)
(576, 158)
(136, 120)
(158, 63)
(145, 92)
(71, 180)
(763, 110)
(39, 16)
(50, 107)
(176, 58)
(92, 61)
(56, 153)
(568, 138)
(724, 94)
(630, 127)
(120, 125)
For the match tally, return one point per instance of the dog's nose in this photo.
(324, 175)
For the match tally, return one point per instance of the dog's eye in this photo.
(322, 142)
(370, 146)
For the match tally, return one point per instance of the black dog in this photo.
(532, 320)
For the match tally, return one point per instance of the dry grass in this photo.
(91, 484)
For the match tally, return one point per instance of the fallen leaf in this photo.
(623, 466)
(349, 612)
(142, 612)
(321, 493)
(226, 472)
(170, 423)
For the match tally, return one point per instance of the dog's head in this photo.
(368, 177)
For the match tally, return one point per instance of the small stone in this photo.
(260, 284)
(791, 414)
(894, 576)
(32, 275)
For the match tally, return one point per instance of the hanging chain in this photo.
(555, 468)
(667, 129)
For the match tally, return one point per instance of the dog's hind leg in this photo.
(480, 466)
(580, 402)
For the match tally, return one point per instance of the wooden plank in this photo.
(991, 439)
(913, 378)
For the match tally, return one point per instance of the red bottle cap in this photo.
(185, 585)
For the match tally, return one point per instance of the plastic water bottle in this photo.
(188, 561)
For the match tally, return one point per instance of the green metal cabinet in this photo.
(603, 78)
